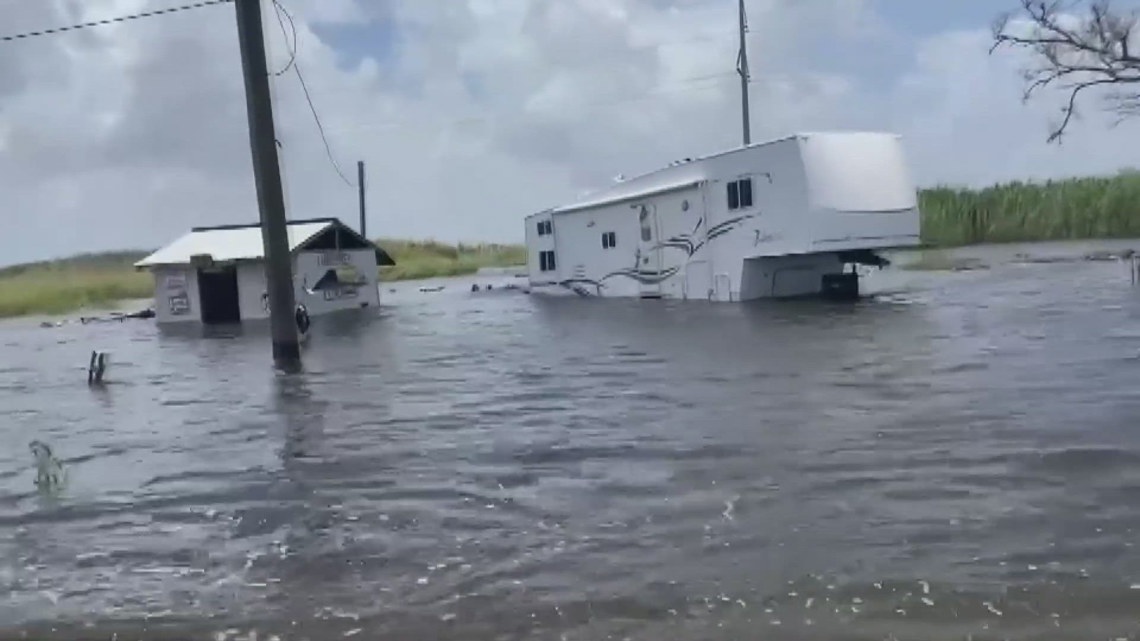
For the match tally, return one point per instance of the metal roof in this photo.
(240, 243)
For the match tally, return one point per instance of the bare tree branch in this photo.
(1077, 45)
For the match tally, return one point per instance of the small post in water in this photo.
(96, 368)
(360, 187)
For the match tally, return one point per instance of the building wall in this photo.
(252, 285)
(176, 295)
(181, 284)
(309, 267)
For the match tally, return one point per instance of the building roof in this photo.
(231, 243)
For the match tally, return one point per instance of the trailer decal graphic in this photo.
(685, 242)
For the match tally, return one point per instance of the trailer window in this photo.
(545, 228)
(740, 194)
(546, 261)
(609, 240)
(745, 193)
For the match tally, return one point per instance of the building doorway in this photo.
(218, 295)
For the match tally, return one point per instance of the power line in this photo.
(292, 50)
(107, 21)
(304, 86)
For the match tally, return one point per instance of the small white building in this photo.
(778, 219)
(216, 275)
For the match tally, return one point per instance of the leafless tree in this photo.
(1077, 46)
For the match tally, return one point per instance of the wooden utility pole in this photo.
(360, 186)
(267, 176)
(743, 71)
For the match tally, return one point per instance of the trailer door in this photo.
(649, 261)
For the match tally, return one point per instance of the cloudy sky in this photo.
(471, 114)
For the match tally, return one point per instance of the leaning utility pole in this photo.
(360, 187)
(267, 176)
(742, 69)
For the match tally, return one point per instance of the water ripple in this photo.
(951, 458)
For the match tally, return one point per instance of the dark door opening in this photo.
(218, 295)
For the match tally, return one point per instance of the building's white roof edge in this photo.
(147, 263)
(155, 259)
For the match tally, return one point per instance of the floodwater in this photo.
(956, 456)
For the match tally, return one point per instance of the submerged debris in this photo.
(110, 318)
(50, 475)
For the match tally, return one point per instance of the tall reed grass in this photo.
(1070, 209)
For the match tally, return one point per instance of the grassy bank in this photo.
(59, 286)
(431, 259)
(100, 280)
(1072, 209)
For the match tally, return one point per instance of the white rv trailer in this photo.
(770, 220)
(779, 219)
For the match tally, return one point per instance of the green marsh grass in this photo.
(80, 282)
(417, 259)
(1069, 209)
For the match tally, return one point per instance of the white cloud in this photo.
(489, 110)
(962, 112)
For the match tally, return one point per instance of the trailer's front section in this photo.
(844, 199)
(863, 202)
(860, 192)
(542, 260)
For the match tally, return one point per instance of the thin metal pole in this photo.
(270, 195)
(360, 186)
(742, 69)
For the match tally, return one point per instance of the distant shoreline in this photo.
(1074, 209)
(102, 281)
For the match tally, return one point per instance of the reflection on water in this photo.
(951, 457)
